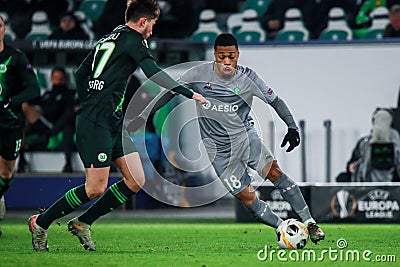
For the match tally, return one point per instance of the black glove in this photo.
(5, 103)
(135, 124)
(293, 138)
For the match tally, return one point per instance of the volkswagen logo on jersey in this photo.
(102, 157)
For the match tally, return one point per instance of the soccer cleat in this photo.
(39, 235)
(83, 232)
(315, 232)
(2, 208)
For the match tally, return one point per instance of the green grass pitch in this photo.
(194, 242)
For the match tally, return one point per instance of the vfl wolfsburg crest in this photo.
(102, 157)
(3, 66)
(237, 90)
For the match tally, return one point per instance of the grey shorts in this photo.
(232, 166)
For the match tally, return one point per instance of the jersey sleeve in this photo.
(261, 89)
(82, 74)
(157, 75)
(30, 83)
(138, 49)
(268, 95)
(187, 78)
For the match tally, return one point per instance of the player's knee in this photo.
(95, 192)
(248, 202)
(6, 174)
(136, 183)
(247, 196)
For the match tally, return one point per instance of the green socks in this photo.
(116, 195)
(72, 200)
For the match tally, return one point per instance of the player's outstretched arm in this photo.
(31, 89)
(292, 137)
(199, 98)
(157, 75)
(158, 102)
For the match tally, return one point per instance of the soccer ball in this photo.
(292, 234)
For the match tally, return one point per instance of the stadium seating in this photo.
(93, 8)
(337, 28)
(258, 5)
(234, 22)
(293, 29)
(208, 28)
(10, 34)
(85, 24)
(251, 30)
(40, 29)
(380, 19)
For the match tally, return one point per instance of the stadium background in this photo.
(340, 82)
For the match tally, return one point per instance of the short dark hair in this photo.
(136, 9)
(225, 39)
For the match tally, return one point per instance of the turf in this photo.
(190, 242)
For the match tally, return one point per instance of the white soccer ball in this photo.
(292, 234)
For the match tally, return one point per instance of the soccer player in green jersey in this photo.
(101, 82)
(18, 84)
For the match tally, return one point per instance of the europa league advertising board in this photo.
(331, 203)
(355, 203)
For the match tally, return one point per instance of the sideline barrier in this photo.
(336, 202)
(41, 190)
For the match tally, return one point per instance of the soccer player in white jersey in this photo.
(231, 141)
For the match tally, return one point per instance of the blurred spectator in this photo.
(178, 18)
(356, 154)
(396, 114)
(69, 29)
(363, 18)
(393, 28)
(112, 16)
(49, 115)
(54, 9)
(273, 18)
(321, 13)
(376, 157)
